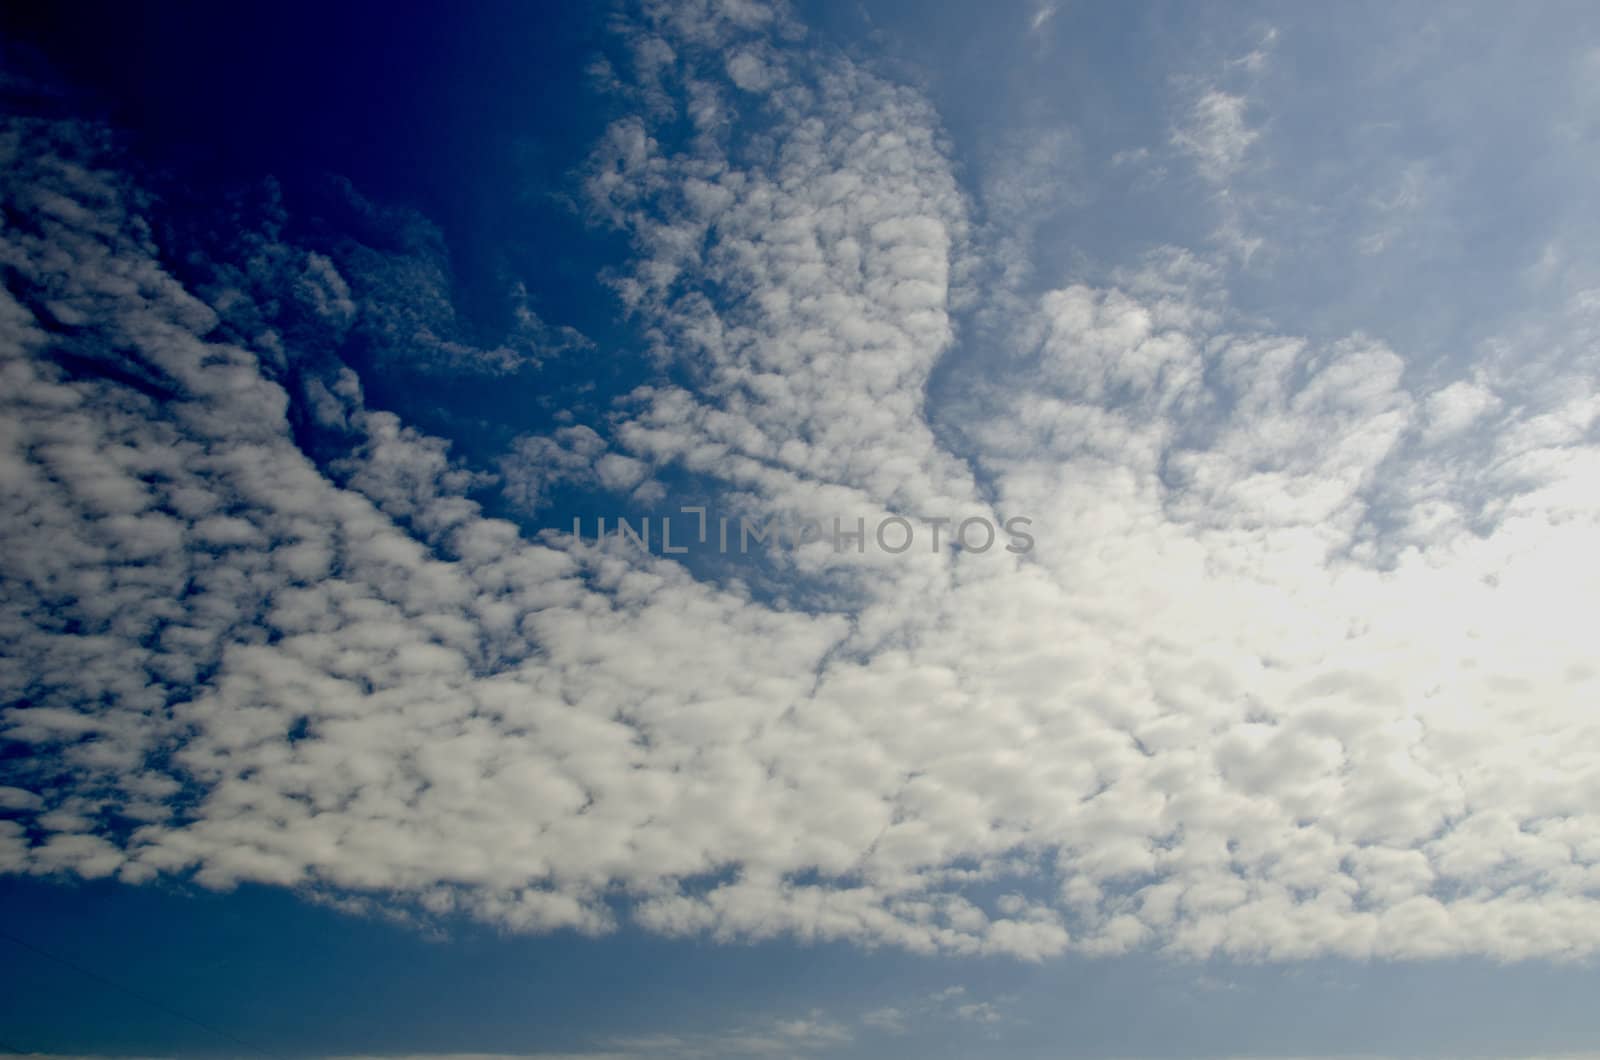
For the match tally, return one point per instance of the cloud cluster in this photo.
(1299, 665)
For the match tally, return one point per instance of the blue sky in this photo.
(1260, 342)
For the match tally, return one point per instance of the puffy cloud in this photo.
(1453, 408)
(538, 463)
(1291, 671)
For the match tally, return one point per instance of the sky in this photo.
(730, 529)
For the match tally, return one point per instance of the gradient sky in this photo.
(323, 736)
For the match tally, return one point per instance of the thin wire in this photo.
(148, 1000)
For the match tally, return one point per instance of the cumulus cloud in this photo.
(1292, 670)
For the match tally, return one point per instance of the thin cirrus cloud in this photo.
(1300, 665)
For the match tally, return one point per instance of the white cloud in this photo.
(1291, 672)
(1455, 407)
(538, 463)
(1216, 133)
(809, 1035)
(1216, 128)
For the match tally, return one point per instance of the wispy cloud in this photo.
(1216, 133)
